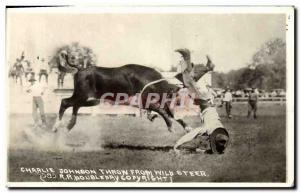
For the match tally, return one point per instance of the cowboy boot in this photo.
(209, 65)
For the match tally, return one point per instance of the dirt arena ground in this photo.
(256, 152)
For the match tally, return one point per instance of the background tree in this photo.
(266, 70)
(83, 56)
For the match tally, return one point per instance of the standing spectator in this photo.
(28, 70)
(19, 70)
(36, 90)
(227, 99)
(43, 69)
(252, 103)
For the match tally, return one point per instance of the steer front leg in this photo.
(165, 116)
(65, 103)
(72, 122)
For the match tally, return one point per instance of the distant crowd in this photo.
(245, 92)
(23, 68)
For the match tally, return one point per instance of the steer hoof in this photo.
(188, 129)
(153, 117)
(54, 129)
(70, 126)
(71, 123)
(170, 129)
(56, 126)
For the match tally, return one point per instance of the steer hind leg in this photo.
(72, 122)
(150, 116)
(170, 112)
(165, 116)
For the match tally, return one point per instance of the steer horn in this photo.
(63, 58)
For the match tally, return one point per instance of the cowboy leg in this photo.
(200, 71)
(190, 84)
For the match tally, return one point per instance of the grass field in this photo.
(256, 151)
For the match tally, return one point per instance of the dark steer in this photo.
(95, 82)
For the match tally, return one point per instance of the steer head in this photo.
(66, 62)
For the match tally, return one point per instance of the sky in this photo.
(147, 39)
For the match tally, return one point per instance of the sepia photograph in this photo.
(150, 96)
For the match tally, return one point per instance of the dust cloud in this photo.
(43, 139)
